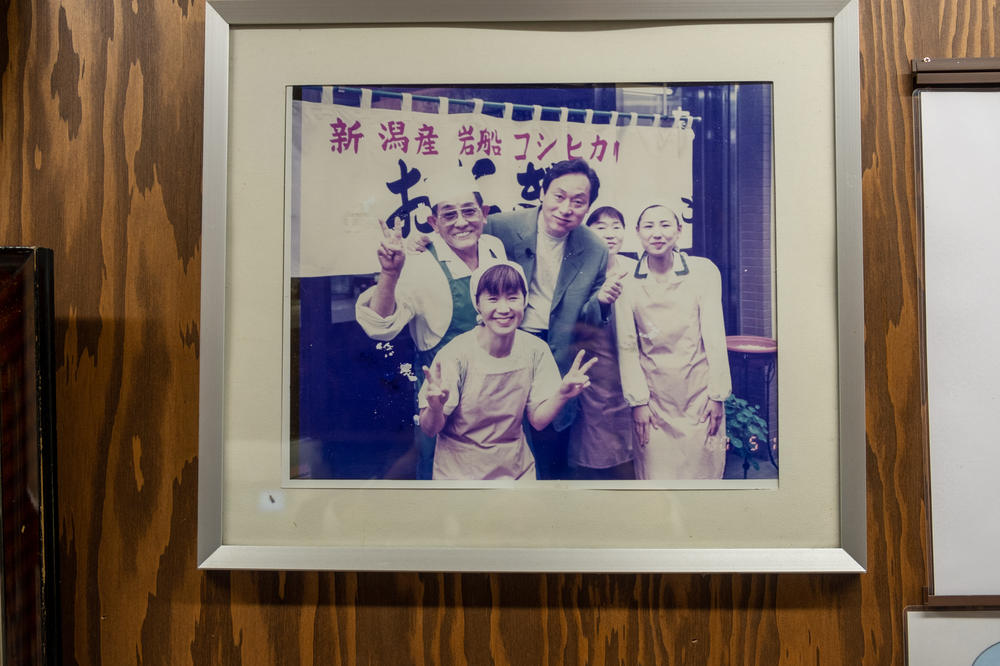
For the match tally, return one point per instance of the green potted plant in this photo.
(746, 430)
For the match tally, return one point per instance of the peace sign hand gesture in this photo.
(437, 393)
(391, 253)
(576, 379)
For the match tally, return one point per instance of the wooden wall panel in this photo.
(100, 135)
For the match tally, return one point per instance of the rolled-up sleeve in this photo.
(377, 327)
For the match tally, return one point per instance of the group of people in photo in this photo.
(545, 353)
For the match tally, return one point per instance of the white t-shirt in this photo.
(549, 251)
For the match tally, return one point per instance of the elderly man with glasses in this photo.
(429, 290)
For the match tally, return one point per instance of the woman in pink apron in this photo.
(482, 383)
(672, 355)
(602, 439)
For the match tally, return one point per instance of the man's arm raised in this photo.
(391, 257)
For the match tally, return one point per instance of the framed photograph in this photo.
(360, 154)
(320, 149)
(30, 595)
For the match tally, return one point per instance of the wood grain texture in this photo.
(100, 135)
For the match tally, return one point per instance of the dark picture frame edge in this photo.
(37, 643)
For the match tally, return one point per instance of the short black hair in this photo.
(567, 167)
(606, 211)
(677, 216)
(500, 279)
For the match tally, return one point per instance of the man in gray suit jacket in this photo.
(564, 263)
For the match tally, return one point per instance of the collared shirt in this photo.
(549, 251)
(423, 299)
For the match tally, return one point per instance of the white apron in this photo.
(483, 439)
(672, 356)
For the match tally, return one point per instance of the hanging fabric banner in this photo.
(351, 166)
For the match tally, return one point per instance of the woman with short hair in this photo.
(482, 383)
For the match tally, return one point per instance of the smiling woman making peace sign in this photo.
(481, 384)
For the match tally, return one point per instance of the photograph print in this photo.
(521, 284)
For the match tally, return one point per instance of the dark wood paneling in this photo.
(100, 134)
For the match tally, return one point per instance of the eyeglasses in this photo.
(469, 214)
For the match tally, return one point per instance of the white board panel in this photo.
(960, 162)
(957, 638)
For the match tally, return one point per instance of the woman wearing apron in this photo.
(673, 358)
(428, 291)
(602, 439)
(482, 383)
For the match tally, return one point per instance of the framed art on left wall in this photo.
(30, 593)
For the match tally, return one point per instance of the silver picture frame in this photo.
(847, 556)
